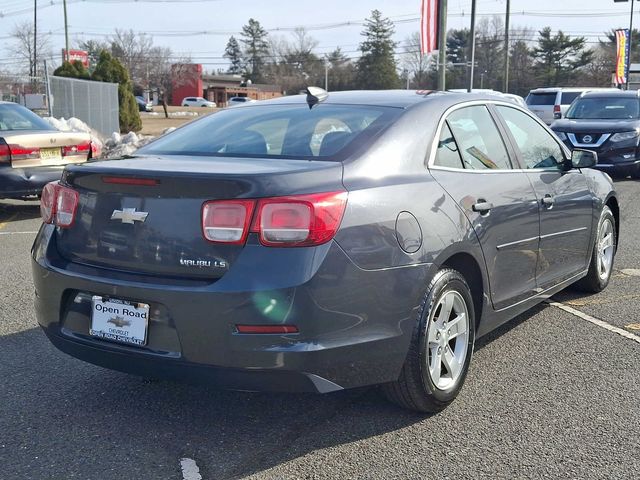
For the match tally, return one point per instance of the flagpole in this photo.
(506, 48)
(473, 43)
(630, 45)
(442, 43)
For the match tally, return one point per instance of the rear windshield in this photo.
(605, 108)
(282, 131)
(541, 98)
(17, 117)
(569, 97)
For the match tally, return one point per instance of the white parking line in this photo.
(18, 233)
(596, 321)
(190, 470)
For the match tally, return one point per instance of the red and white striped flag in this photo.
(428, 26)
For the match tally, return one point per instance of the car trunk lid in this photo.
(143, 214)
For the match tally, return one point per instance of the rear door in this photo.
(473, 165)
(565, 201)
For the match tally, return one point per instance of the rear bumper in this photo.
(21, 182)
(354, 325)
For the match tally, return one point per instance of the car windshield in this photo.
(605, 108)
(17, 117)
(280, 131)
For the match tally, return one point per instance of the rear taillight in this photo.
(58, 204)
(292, 221)
(557, 112)
(96, 149)
(80, 149)
(66, 205)
(48, 201)
(5, 153)
(18, 152)
(299, 220)
(227, 221)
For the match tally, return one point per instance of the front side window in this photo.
(537, 146)
(479, 141)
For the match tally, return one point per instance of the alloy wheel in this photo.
(448, 336)
(605, 248)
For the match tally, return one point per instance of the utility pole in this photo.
(326, 74)
(66, 32)
(473, 43)
(34, 72)
(506, 48)
(442, 43)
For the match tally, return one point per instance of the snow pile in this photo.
(184, 114)
(75, 125)
(119, 145)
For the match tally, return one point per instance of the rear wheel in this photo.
(441, 348)
(603, 254)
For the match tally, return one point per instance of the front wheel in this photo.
(602, 256)
(441, 348)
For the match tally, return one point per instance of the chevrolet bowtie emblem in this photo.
(129, 215)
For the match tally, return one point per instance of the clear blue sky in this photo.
(180, 24)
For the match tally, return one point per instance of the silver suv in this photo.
(552, 103)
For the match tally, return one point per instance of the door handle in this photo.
(548, 200)
(482, 207)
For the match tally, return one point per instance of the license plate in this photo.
(119, 320)
(51, 154)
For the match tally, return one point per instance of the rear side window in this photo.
(478, 139)
(541, 98)
(568, 97)
(447, 154)
(287, 131)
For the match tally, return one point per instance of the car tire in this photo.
(602, 256)
(428, 382)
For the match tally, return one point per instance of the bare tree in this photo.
(137, 53)
(415, 64)
(22, 48)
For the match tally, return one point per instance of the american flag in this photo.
(428, 26)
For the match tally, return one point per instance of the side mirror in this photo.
(583, 158)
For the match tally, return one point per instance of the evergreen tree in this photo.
(256, 49)
(458, 56)
(234, 54)
(559, 57)
(109, 69)
(72, 70)
(377, 64)
(342, 71)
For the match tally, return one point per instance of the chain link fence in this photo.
(95, 103)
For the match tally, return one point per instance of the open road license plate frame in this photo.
(119, 320)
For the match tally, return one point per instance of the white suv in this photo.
(197, 102)
(239, 101)
(552, 103)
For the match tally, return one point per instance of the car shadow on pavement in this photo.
(13, 210)
(64, 418)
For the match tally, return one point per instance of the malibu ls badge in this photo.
(129, 215)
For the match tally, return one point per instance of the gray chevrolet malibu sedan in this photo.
(321, 242)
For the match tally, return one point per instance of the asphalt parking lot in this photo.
(550, 395)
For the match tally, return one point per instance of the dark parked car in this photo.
(243, 251)
(33, 153)
(143, 104)
(608, 123)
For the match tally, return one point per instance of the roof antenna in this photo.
(315, 95)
